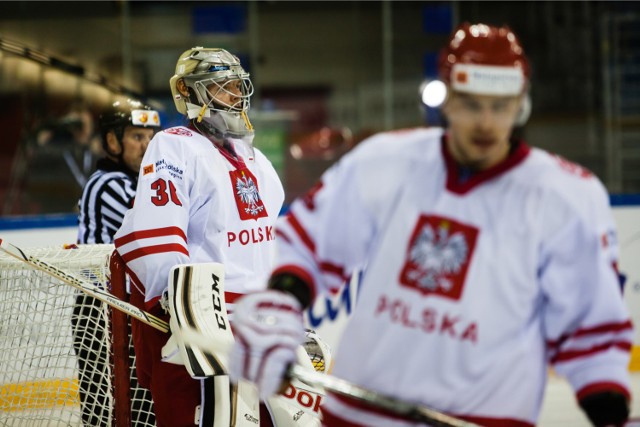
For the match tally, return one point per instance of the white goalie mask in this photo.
(219, 91)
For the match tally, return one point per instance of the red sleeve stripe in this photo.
(283, 236)
(299, 229)
(608, 327)
(567, 355)
(157, 249)
(328, 267)
(146, 234)
(595, 330)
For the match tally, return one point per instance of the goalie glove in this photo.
(196, 302)
(268, 329)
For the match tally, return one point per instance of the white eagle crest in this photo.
(247, 190)
(435, 253)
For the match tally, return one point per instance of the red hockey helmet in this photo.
(484, 60)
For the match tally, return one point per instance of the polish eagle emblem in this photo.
(438, 256)
(247, 191)
(437, 253)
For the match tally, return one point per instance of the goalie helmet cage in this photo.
(48, 329)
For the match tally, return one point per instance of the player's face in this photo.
(227, 94)
(134, 143)
(480, 127)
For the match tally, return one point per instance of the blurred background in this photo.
(327, 74)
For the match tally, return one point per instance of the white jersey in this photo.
(196, 203)
(470, 287)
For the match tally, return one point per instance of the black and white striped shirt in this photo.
(107, 195)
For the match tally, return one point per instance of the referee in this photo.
(126, 130)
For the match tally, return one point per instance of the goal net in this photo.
(65, 358)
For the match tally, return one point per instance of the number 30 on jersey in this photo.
(165, 192)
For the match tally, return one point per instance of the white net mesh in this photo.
(55, 345)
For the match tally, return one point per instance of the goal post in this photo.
(66, 358)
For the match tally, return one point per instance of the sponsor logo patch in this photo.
(462, 77)
(175, 171)
(146, 170)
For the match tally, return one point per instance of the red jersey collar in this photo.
(226, 150)
(518, 153)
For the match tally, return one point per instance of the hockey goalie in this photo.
(205, 194)
(199, 324)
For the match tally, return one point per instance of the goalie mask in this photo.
(219, 90)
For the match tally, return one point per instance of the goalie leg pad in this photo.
(196, 302)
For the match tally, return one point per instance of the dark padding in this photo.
(293, 285)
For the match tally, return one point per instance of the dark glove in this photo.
(606, 409)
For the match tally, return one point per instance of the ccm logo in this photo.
(304, 398)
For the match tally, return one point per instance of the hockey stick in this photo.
(411, 411)
(85, 286)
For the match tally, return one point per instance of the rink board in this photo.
(329, 315)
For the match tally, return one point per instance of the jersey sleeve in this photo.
(316, 240)
(587, 328)
(153, 236)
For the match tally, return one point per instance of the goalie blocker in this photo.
(195, 301)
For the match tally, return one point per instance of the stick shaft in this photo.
(345, 388)
(85, 286)
(342, 387)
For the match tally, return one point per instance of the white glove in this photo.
(268, 328)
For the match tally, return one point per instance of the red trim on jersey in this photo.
(334, 420)
(563, 356)
(301, 232)
(331, 268)
(237, 163)
(284, 236)
(155, 249)
(147, 234)
(135, 281)
(325, 266)
(227, 151)
(300, 272)
(516, 157)
(231, 297)
(607, 327)
(600, 387)
(278, 306)
(604, 328)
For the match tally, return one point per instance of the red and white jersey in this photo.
(470, 287)
(196, 203)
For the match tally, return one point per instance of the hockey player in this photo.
(205, 194)
(485, 260)
(126, 129)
